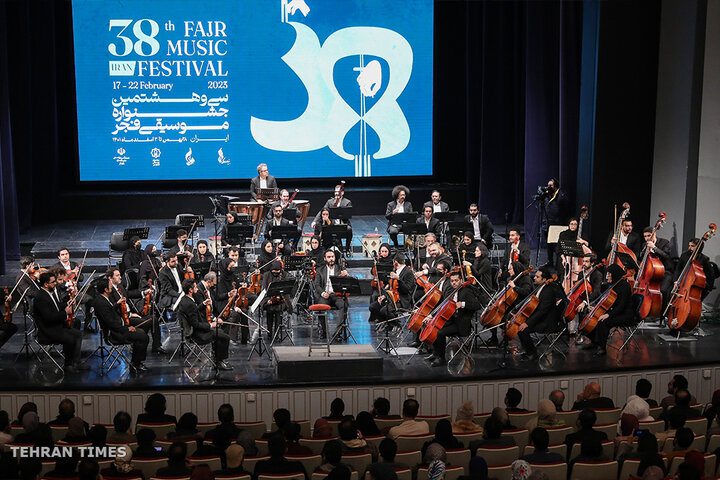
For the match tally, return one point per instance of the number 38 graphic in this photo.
(142, 38)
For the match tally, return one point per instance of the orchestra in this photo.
(438, 285)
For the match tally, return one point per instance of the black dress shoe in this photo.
(90, 329)
(414, 344)
(140, 367)
(529, 357)
(430, 357)
(224, 365)
(159, 351)
(438, 362)
(81, 367)
(493, 341)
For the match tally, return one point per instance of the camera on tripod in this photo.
(543, 193)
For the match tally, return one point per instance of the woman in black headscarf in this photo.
(149, 267)
(202, 253)
(316, 252)
(232, 219)
(267, 255)
(133, 256)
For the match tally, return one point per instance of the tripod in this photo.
(386, 346)
(26, 346)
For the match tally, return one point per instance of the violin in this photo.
(231, 301)
(123, 311)
(442, 315)
(468, 270)
(148, 299)
(8, 307)
(579, 293)
(649, 276)
(208, 312)
(685, 305)
(255, 282)
(242, 300)
(525, 310)
(612, 257)
(605, 303)
(495, 311)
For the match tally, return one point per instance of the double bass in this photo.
(649, 276)
(525, 310)
(573, 265)
(8, 307)
(603, 305)
(685, 305)
(494, 312)
(613, 257)
(579, 293)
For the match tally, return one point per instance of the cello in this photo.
(8, 307)
(613, 257)
(525, 310)
(604, 303)
(649, 276)
(685, 305)
(573, 265)
(442, 315)
(579, 293)
(431, 299)
(495, 310)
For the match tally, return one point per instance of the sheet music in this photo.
(257, 302)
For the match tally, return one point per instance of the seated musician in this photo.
(7, 329)
(263, 180)
(431, 223)
(26, 281)
(482, 226)
(133, 256)
(466, 247)
(170, 283)
(627, 237)
(481, 269)
(460, 324)
(274, 306)
(322, 285)
(436, 203)
(523, 287)
(703, 260)
(284, 203)
(569, 235)
(660, 247)
(398, 205)
(422, 255)
(621, 314)
(150, 267)
(182, 249)
(116, 329)
(429, 268)
(277, 221)
(268, 253)
(595, 280)
(134, 299)
(51, 321)
(338, 200)
(192, 315)
(225, 287)
(383, 258)
(231, 219)
(515, 251)
(316, 252)
(72, 270)
(383, 309)
(202, 253)
(547, 315)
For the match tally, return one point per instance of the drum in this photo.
(305, 242)
(303, 207)
(254, 209)
(372, 244)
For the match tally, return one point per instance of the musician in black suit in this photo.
(515, 251)
(73, 268)
(660, 247)
(481, 269)
(199, 329)
(51, 321)
(322, 285)
(221, 289)
(274, 306)
(338, 200)
(436, 203)
(546, 316)
(595, 280)
(383, 309)
(431, 223)
(622, 312)
(702, 259)
(284, 203)
(482, 226)
(429, 268)
(116, 329)
(170, 280)
(277, 221)
(135, 300)
(25, 281)
(182, 249)
(628, 237)
(460, 323)
(263, 180)
(399, 205)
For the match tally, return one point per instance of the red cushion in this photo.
(319, 307)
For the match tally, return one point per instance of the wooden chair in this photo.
(460, 457)
(629, 468)
(148, 466)
(554, 471)
(610, 430)
(165, 443)
(290, 476)
(607, 415)
(559, 448)
(432, 420)
(499, 455)
(258, 428)
(213, 462)
(204, 427)
(520, 419)
(466, 438)
(249, 462)
(653, 427)
(558, 434)
(375, 440)
(358, 461)
(310, 462)
(713, 443)
(262, 446)
(403, 473)
(710, 460)
(385, 424)
(410, 458)
(569, 417)
(315, 444)
(594, 470)
(58, 432)
(500, 472)
(412, 442)
(520, 435)
(697, 425)
(451, 473)
(480, 418)
(47, 465)
(161, 429)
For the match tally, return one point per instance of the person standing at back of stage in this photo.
(398, 205)
(263, 180)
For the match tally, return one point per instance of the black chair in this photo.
(117, 248)
(637, 300)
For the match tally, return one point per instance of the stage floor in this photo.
(260, 371)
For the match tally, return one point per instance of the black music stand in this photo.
(239, 234)
(344, 214)
(344, 286)
(383, 272)
(401, 218)
(140, 232)
(627, 261)
(447, 216)
(265, 194)
(280, 288)
(285, 233)
(332, 234)
(291, 214)
(200, 269)
(190, 220)
(459, 228)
